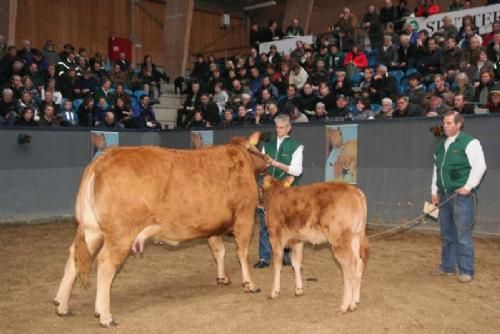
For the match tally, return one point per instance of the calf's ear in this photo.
(267, 181)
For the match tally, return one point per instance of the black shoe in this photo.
(261, 264)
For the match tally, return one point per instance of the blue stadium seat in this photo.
(410, 72)
(398, 75)
(376, 108)
(77, 103)
(356, 78)
(128, 92)
(139, 93)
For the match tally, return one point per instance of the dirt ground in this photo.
(173, 290)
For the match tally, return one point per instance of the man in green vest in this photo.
(286, 160)
(459, 166)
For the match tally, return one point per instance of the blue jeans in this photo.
(265, 250)
(456, 219)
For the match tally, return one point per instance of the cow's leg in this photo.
(109, 260)
(297, 254)
(93, 241)
(344, 255)
(278, 251)
(243, 228)
(218, 251)
(358, 272)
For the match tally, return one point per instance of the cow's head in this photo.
(260, 161)
(335, 137)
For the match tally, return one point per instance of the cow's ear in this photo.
(255, 138)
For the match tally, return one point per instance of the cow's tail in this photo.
(88, 227)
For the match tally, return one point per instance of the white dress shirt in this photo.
(295, 168)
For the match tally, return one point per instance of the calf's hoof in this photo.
(223, 281)
(299, 292)
(64, 313)
(352, 307)
(274, 295)
(55, 302)
(109, 323)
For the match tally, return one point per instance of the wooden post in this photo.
(177, 32)
(300, 9)
(8, 17)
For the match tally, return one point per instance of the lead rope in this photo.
(415, 222)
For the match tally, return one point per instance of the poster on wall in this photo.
(200, 139)
(100, 141)
(342, 153)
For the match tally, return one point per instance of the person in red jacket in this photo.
(427, 8)
(355, 61)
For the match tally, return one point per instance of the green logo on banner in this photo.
(414, 24)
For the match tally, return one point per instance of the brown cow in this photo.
(129, 195)
(317, 213)
(347, 159)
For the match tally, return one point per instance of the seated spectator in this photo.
(272, 33)
(68, 85)
(82, 66)
(105, 91)
(480, 65)
(306, 100)
(50, 73)
(406, 54)
(68, 115)
(150, 83)
(267, 84)
(192, 102)
(26, 53)
(26, 101)
(120, 93)
(286, 104)
(133, 81)
(274, 57)
(6, 63)
(371, 23)
(470, 36)
(118, 76)
(416, 91)
(460, 105)
(86, 85)
(28, 86)
(448, 29)
(98, 72)
(49, 100)
(345, 28)
(436, 106)
(319, 74)
(453, 56)
(486, 83)
(38, 60)
(26, 119)
(463, 87)
(122, 61)
(412, 35)
(388, 13)
(489, 37)
(341, 111)
(326, 97)
(386, 110)
(52, 88)
(123, 113)
(296, 116)
(67, 49)
(255, 83)
(282, 78)
(209, 110)
(227, 120)
(365, 85)
(200, 70)
(87, 112)
(320, 114)
(363, 110)
(494, 102)
(8, 107)
(110, 123)
(36, 76)
(295, 29)
(455, 5)
(65, 64)
(298, 76)
(334, 59)
(389, 30)
(16, 85)
(440, 85)
(467, 21)
(260, 116)
(48, 118)
(341, 85)
(388, 54)
(272, 110)
(383, 85)
(255, 35)
(430, 63)
(243, 118)
(49, 54)
(197, 122)
(355, 60)
(100, 111)
(406, 109)
(427, 8)
(144, 114)
(220, 97)
(493, 49)
(237, 91)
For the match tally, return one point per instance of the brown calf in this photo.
(318, 213)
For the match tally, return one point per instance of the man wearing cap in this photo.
(436, 107)
(285, 160)
(494, 103)
(459, 166)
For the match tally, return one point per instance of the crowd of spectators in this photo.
(402, 73)
(47, 88)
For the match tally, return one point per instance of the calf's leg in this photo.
(297, 255)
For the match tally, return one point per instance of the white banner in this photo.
(483, 16)
(286, 44)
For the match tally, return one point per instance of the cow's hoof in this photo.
(299, 292)
(249, 289)
(343, 309)
(97, 314)
(65, 313)
(352, 307)
(223, 281)
(109, 323)
(56, 302)
(274, 295)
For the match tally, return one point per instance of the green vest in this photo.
(284, 155)
(452, 166)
